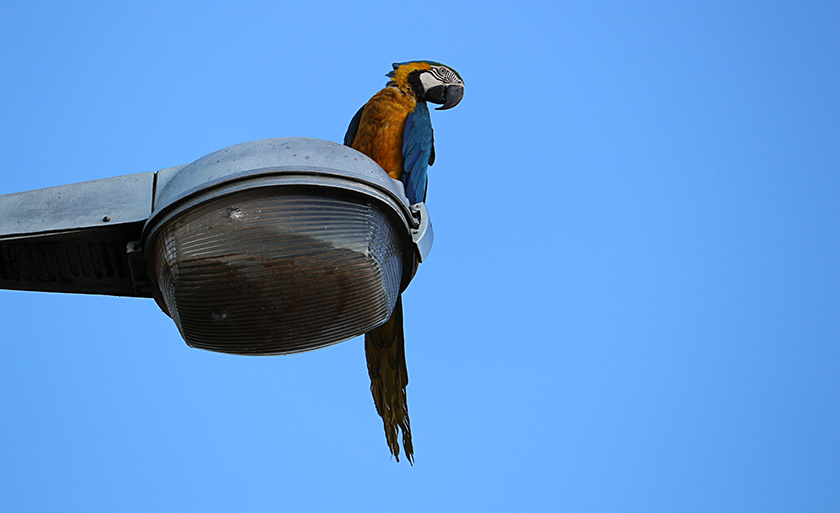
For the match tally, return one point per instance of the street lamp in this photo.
(267, 247)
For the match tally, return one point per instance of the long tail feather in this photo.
(385, 351)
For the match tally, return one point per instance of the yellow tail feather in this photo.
(385, 351)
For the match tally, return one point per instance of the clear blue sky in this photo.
(632, 304)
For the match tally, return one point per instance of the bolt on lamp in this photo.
(267, 247)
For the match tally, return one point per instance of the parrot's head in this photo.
(429, 81)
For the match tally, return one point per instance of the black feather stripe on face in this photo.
(415, 84)
(445, 75)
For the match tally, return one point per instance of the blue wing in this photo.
(353, 128)
(418, 152)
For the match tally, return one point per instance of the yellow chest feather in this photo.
(381, 128)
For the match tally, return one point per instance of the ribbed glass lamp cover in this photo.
(266, 271)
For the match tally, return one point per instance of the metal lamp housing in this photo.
(279, 246)
(269, 247)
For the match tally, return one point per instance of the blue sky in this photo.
(632, 304)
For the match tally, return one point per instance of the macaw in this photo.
(394, 129)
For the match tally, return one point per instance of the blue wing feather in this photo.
(418, 152)
(353, 128)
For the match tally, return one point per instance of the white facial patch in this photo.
(429, 81)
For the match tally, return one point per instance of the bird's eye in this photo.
(438, 73)
(445, 75)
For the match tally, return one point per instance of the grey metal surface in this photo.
(423, 236)
(72, 238)
(287, 179)
(272, 157)
(288, 161)
(86, 261)
(98, 203)
(83, 237)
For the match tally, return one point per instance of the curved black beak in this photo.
(449, 95)
(452, 96)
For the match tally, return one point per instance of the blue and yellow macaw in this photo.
(395, 130)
